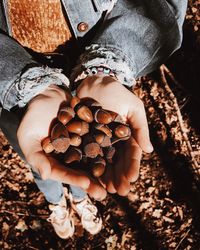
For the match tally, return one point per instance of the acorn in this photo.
(102, 139)
(110, 154)
(68, 97)
(47, 145)
(73, 154)
(85, 114)
(86, 139)
(92, 150)
(78, 127)
(65, 114)
(120, 119)
(90, 102)
(104, 128)
(117, 139)
(60, 138)
(122, 131)
(74, 101)
(102, 116)
(98, 169)
(113, 114)
(75, 140)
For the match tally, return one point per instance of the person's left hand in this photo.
(112, 95)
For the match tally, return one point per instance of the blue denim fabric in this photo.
(132, 38)
(53, 190)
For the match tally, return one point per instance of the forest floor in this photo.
(162, 210)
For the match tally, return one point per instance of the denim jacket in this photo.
(133, 37)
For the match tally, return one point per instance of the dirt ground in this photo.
(162, 211)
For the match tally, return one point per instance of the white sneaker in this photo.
(88, 213)
(61, 220)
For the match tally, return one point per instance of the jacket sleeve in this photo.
(13, 59)
(21, 78)
(135, 38)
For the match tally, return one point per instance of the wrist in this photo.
(53, 91)
(93, 84)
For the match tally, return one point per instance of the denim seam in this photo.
(5, 5)
(32, 82)
(112, 57)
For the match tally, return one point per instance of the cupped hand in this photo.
(112, 95)
(35, 126)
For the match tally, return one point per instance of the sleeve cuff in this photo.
(112, 58)
(31, 83)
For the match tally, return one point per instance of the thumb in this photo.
(138, 122)
(40, 163)
(50, 168)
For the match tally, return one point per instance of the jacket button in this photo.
(82, 27)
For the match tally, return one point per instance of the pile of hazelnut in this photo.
(84, 135)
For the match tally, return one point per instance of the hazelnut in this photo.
(78, 127)
(65, 114)
(60, 138)
(73, 154)
(47, 145)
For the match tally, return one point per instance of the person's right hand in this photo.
(34, 127)
(113, 96)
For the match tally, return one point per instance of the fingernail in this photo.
(149, 148)
(86, 184)
(103, 196)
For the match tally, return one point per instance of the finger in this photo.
(107, 180)
(50, 168)
(96, 190)
(138, 122)
(78, 178)
(132, 172)
(68, 175)
(40, 163)
(121, 184)
(133, 155)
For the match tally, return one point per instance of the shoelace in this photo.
(58, 212)
(92, 209)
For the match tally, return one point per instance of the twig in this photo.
(164, 69)
(14, 202)
(30, 247)
(184, 236)
(23, 214)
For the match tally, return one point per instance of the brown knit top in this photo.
(38, 24)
